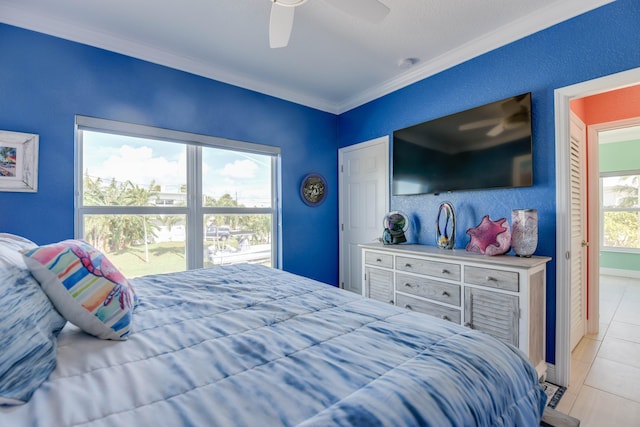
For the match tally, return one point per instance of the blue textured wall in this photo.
(46, 81)
(598, 43)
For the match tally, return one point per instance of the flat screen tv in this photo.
(481, 148)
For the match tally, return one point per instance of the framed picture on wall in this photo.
(313, 189)
(18, 161)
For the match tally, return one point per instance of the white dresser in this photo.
(503, 296)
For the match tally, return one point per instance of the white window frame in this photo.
(194, 211)
(603, 210)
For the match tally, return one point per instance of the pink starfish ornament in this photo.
(490, 237)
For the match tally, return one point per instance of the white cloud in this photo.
(240, 169)
(140, 167)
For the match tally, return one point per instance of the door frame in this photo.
(382, 140)
(560, 372)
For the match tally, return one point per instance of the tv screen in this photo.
(481, 148)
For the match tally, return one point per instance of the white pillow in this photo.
(29, 325)
(10, 247)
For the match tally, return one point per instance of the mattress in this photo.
(247, 345)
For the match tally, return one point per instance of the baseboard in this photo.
(620, 272)
(553, 418)
(552, 376)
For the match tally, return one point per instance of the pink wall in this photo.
(609, 106)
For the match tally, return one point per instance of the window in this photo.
(158, 201)
(620, 227)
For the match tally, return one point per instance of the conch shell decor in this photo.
(490, 237)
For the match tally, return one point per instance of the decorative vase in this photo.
(447, 238)
(524, 231)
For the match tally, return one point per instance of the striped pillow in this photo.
(85, 287)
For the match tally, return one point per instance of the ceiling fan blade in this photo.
(479, 124)
(496, 130)
(280, 25)
(373, 11)
(511, 106)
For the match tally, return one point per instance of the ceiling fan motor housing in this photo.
(289, 3)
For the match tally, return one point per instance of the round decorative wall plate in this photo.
(313, 189)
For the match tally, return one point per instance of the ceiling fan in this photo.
(514, 115)
(282, 11)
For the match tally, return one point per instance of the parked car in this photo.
(220, 233)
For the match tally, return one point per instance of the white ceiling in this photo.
(334, 61)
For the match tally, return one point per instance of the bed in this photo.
(248, 345)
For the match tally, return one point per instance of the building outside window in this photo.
(157, 201)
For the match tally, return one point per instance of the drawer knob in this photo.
(445, 271)
(408, 307)
(407, 265)
(445, 317)
(378, 260)
(491, 279)
(445, 293)
(408, 285)
(391, 302)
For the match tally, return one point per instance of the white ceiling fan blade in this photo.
(479, 124)
(511, 106)
(496, 130)
(280, 25)
(371, 10)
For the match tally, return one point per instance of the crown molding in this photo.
(44, 24)
(539, 20)
(523, 27)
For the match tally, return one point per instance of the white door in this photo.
(578, 229)
(363, 202)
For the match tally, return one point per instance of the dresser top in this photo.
(459, 255)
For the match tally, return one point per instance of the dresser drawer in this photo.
(431, 268)
(506, 280)
(378, 259)
(427, 307)
(428, 288)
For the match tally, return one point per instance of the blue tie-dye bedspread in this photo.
(252, 346)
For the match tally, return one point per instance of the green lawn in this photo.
(165, 257)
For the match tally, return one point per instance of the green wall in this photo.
(619, 260)
(619, 156)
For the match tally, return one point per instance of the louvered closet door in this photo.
(379, 284)
(578, 234)
(493, 313)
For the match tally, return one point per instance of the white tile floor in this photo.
(605, 368)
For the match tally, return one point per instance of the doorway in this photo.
(363, 201)
(560, 372)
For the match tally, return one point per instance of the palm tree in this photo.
(622, 228)
(102, 231)
(135, 195)
(118, 231)
(628, 189)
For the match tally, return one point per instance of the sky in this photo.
(242, 175)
